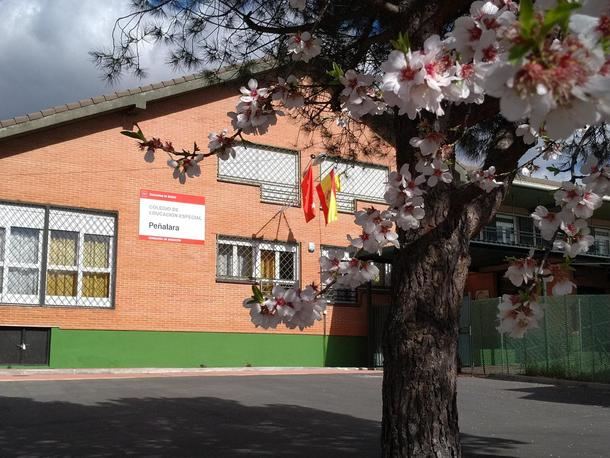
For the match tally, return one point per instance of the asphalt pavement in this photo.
(329, 415)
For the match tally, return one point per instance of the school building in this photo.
(93, 275)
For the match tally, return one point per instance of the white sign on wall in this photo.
(169, 217)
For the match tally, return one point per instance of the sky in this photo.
(44, 49)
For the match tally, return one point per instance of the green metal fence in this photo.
(573, 340)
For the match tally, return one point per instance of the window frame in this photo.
(601, 234)
(256, 263)
(10, 221)
(48, 225)
(293, 198)
(333, 163)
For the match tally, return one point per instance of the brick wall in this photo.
(165, 286)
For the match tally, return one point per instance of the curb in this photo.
(20, 375)
(549, 381)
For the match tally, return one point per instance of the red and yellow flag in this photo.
(307, 192)
(327, 192)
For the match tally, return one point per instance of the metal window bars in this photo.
(514, 237)
(275, 170)
(257, 261)
(359, 181)
(56, 256)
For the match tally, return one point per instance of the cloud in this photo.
(44, 57)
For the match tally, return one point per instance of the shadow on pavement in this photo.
(567, 394)
(488, 446)
(203, 426)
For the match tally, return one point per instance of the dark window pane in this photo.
(244, 261)
(286, 266)
(224, 261)
(22, 281)
(2, 239)
(526, 231)
(24, 245)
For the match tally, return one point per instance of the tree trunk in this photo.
(420, 347)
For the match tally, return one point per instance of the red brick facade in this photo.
(165, 286)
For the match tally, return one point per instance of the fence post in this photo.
(481, 352)
(580, 338)
(592, 343)
(502, 348)
(546, 343)
(525, 355)
(566, 326)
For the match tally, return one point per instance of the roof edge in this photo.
(132, 98)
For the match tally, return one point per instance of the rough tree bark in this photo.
(420, 415)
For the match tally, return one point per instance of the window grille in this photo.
(359, 181)
(52, 256)
(275, 170)
(257, 261)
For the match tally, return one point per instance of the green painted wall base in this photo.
(103, 349)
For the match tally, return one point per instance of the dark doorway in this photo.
(27, 346)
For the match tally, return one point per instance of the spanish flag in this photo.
(309, 207)
(327, 192)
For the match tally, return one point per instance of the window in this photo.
(602, 242)
(55, 256)
(275, 170)
(526, 234)
(263, 262)
(359, 181)
(21, 229)
(500, 230)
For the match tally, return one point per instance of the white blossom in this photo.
(221, 144)
(521, 271)
(529, 135)
(303, 46)
(287, 91)
(518, 314)
(429, 144)
(485, 179)
(577, 238)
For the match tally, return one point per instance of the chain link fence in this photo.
(359, 181)
(56, 256)
(257, 261)
(573, 340)
(274, 170)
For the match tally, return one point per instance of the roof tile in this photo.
(85, 102)
(157, 85)
(20, 119)
(122, 93)
(136, 90)
(73, 106)
(60, 108)
(35, 115)
(48, 112)
(168, 83)
(98, 99)
(7, 122)
(112, 96)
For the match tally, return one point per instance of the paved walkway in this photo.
(321, 415)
